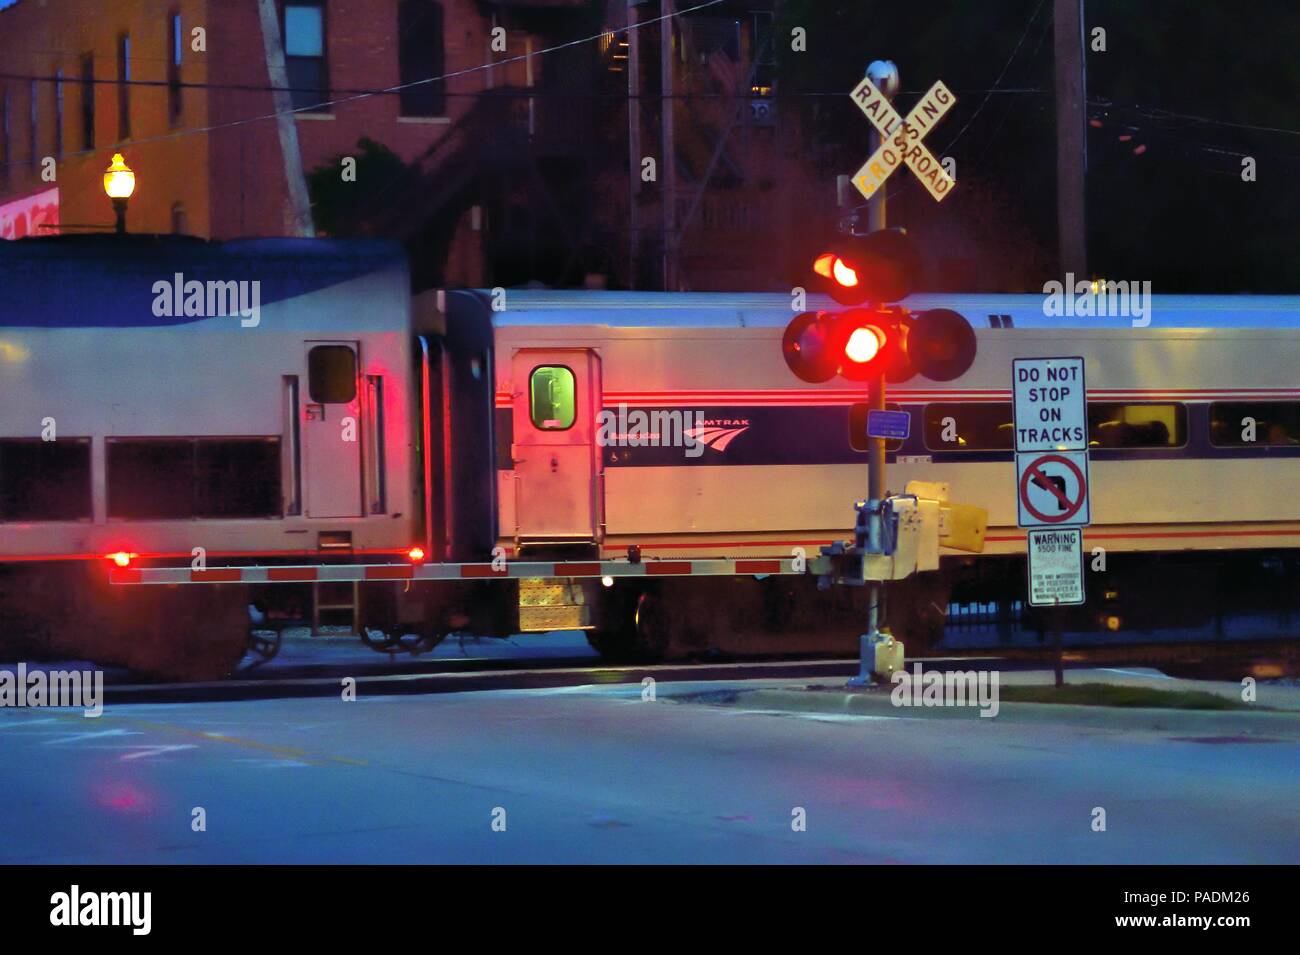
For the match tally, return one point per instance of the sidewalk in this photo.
(1277, 716)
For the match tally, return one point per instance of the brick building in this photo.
(198, 71)
(512, 169)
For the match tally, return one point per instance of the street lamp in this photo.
(119, 183)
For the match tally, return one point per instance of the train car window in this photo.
(187, 478)
(332, 374)
(45, 480)
(1244, 424)
(150, 479)
(858, 428)
(552, 398)
(237, 477)
(1112, 425)
(985, 426)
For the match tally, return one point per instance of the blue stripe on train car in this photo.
(113, 282)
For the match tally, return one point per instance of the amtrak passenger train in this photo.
(256, 414)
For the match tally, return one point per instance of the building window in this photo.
(32, 122)
(304, 54)
(123, 87)
(45, 480)
(174, 70)
(184, 478)
(179, 225)
(88, 101)
(552, 398)
(332, 374)
(420, 56)
(969, 427)
(58, 112)
(1136, 426)
(1247, 424)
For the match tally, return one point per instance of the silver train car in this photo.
(278, 403)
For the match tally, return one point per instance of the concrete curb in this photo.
(814, 699)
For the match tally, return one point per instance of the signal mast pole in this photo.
(884, 76)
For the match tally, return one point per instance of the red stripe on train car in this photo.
(662, 568)
(291, 573)
(396, 572)
(758, 566)
(217, 575)
(481, 570)
(578, 569)
(124, 575)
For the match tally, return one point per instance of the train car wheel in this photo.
(653, 633)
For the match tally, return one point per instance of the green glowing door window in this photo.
(552, 399)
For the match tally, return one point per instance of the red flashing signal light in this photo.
(861, 343)
(881, 267)
(867, 343)
(856, 344)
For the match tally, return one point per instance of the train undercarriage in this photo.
(69, 610)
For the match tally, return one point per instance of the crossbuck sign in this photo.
(901, 139)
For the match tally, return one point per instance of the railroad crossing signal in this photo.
(901, 139)
(861, 344)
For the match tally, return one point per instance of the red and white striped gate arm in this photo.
(532, 570)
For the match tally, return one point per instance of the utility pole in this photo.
(633, 141)
(297, 212)
(667, 162)
(1071, 142)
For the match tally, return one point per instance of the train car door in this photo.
(331, 431)
(556, 398)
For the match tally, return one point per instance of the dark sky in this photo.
(1184, 91)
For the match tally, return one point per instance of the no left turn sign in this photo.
(1052, 488)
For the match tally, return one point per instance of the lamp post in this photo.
(119, 183)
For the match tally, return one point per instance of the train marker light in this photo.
(121, 558)
(416, 555)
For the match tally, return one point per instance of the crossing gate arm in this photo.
(509, 570)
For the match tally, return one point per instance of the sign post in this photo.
(899, 143)
(1052, 481)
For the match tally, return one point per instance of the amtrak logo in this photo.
(665, 428)
(718, 434)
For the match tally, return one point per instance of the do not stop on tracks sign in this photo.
(1051, 423)
(1051, 404)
